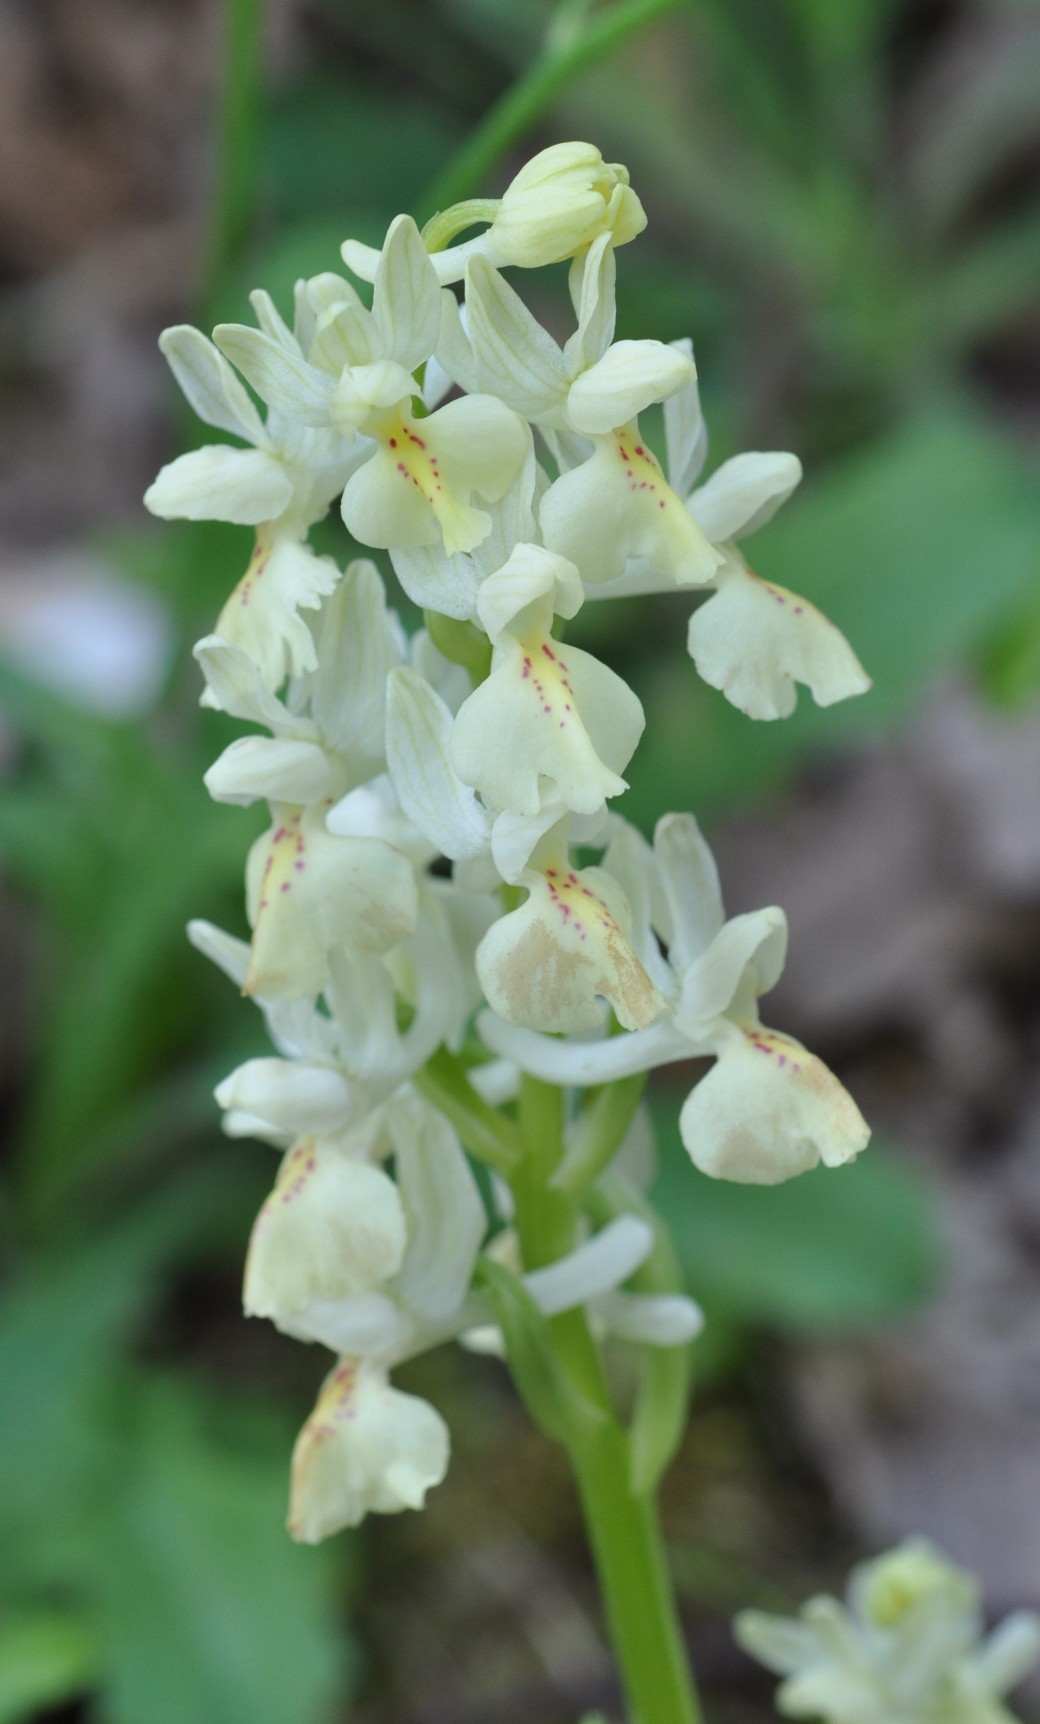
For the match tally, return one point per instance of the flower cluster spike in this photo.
(417, 882)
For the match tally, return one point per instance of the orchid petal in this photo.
(331, 1228)
(592, 291)
(546, 713)
(585, 1063)
(366, 1325)
(453, 357)
(278, 769)
(651, 1319)
(229, 954)
(530, 575)
(209, 385)
(406, 305)
(272, 322)
(516, 358)
(417, 488)
(218, 483)
(365, 1447)
(685, 433)
(310, 893)
(358, 645)
(431, 792)
(262, 614)
(690, 883)
(446, 1216)
(632, 863)
(280, 377)
(744, 960)
(292, 1095)
(450, 584)
(235, 685)
(559, 203)
(769, 1110)
(754, 640)
(616, 505)
(630, 376)
(744, 493)
(594, 1268)
(547, 964)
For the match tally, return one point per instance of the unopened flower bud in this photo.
(559, 202)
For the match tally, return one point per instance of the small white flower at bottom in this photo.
(365, 1448)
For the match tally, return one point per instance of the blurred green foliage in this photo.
(836, 1251)
(846, 254)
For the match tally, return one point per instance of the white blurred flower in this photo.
(906, 1648)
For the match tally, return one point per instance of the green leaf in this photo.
(46, 1658)
(1011, 664)
(163, 855)
(210, 1614)
(990, 280)
(60, 1336)
(64, 1331)
(159, 1508)
(835, 1250)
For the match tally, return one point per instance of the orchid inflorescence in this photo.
(425, 939)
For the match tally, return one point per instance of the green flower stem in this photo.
(622, 1525)
(637, 1590)
(513, 116)
(599, 1134)
(238, 147)
(483, 1130)
(442, 228)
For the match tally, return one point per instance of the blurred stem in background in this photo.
(573, 41)
(238, 148)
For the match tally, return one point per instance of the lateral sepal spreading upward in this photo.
(443, 862)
